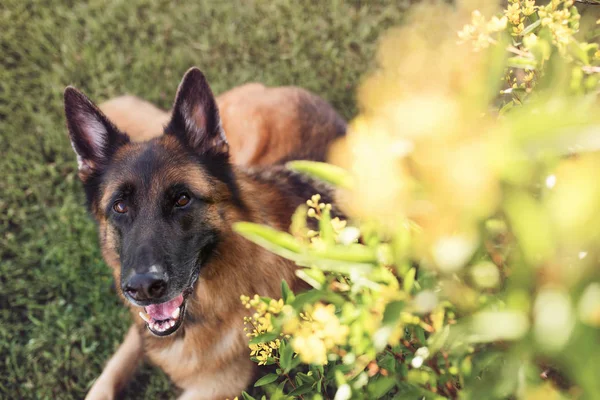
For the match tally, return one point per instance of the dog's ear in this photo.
(93, 137)
(195, 119)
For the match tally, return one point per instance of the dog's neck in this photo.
(239, 267)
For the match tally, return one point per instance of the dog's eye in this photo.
(182, 201)
(120, 207)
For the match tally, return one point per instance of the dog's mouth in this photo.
(164, 319)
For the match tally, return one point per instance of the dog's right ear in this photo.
(195, 118)
(93, 137)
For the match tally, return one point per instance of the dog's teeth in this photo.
(156, 327)
(171, 324)
(175, 314)
(145, 316)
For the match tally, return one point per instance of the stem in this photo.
(287, 376)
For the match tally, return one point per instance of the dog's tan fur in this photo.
(208, 356)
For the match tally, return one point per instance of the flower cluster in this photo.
(471, 251)
(537, 31)
(481, 31)
(316, 333)
(562, 19)
(260, 323)
(517, 13)
(316, 208)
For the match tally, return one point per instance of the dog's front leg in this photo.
(120, 367)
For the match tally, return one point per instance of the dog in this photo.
(165, 209)
(264, 126)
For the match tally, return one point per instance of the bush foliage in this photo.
(468, 263)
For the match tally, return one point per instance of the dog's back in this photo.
(264, 126)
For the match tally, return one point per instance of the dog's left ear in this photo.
(195, 119)
(93, 137)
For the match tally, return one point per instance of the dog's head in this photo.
(160, 204)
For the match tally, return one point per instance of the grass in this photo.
(59, 318)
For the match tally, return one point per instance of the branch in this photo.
(589, 2)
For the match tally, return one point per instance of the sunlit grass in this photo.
(59, 317)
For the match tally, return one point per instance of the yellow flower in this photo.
(518, 29)
(311, 349)
(259, 323)
(316, 333)
(530, 40)
(467, 33)
(528, 77)
(318, 243)
(338, 224)
(275, 306)
(529, 7)
(497, 24)
(262, 358)
(513, 13)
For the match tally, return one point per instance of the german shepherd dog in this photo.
(164, 209)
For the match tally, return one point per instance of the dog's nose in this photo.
(147, 286)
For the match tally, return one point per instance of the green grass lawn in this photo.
(59, 318)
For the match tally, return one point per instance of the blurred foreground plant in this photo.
(469, 264)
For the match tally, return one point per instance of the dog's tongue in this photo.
(164, 310)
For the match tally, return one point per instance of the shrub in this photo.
(468, 265)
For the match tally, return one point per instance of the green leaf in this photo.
(522, 62)
(392, 312)
(334, 298)
(387, 362)
(409, 280)
(246, 396)
(408, 390)
(327, 234)
(354, 252)
(286, 293)
(420, 333)
(507, 107)
(305, 378)
(286, 353)
(278, 242)
(579, 51)
(438, 339)
(531, 226)
(313, 276)
(303, 389)
(341, 267)
(265, 380)
(326, 172)
(265, 337)
(531, 27)
(381, 386)
(310, 297)
(298, 225)
(287, 246)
